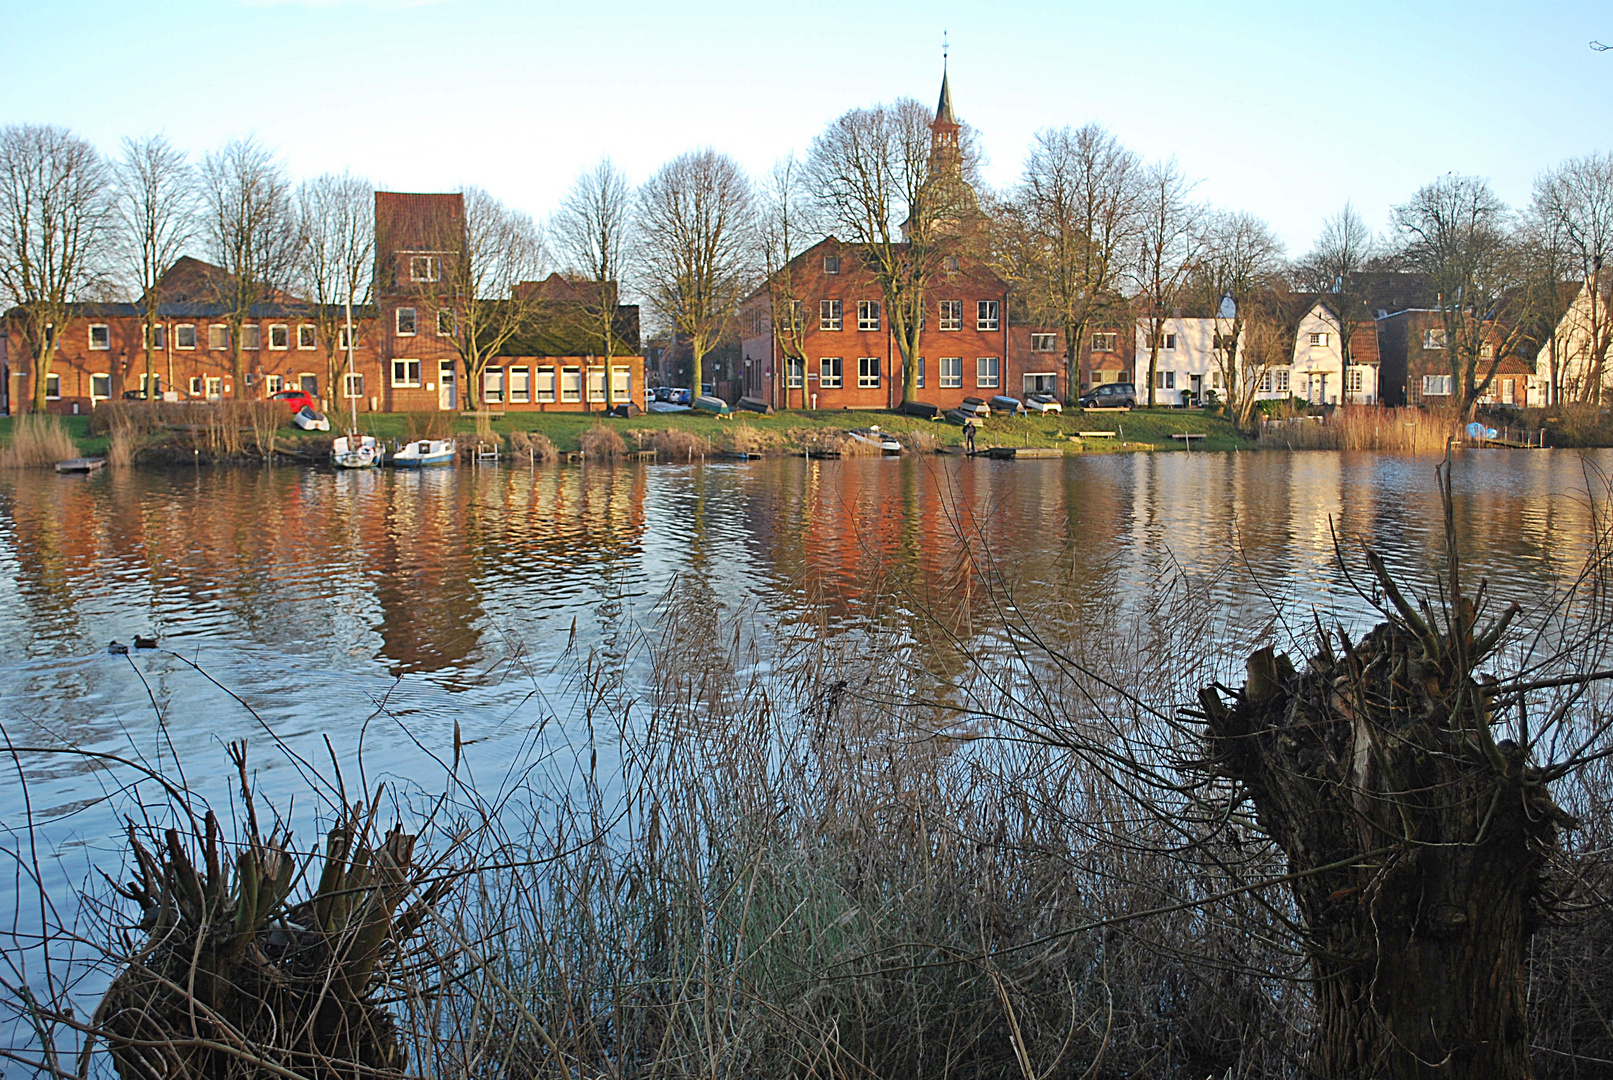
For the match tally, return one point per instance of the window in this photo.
(353, 384)
(493, 385)
(521, 385)
(596, 384)
(951, 315)
(987, 314)
(195, 386)
(831, 264)
(215, 388)
(1164, 380)
(271, 384)
(829, 317)
(546, 384)
(1434, 339)
(1106, 341)
(920, 380)
(280, 336)
(867, 371)
(342, 335)
(405, 321)
(868, 314)
(100, 386)
(794, 372)
(1352, 380)
(406, 373)
(621, 383)
(158, 335)
(307, 336)
(185, 336)
(1436, 386)
(1487, 350)
(1168, 341)
(218, 337)
(1281, 380)
(445, 323)
(100, 336)
(987, 369)
(570, 384)
(950, 262)
(1044, 342)
(951, 372)
(252, 337)
(829, 372)
(1318, 341)
(310, 383)
(53, 386)
(424, 268)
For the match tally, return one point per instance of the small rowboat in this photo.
(977, 406)
(1004, 403)
(716, 405)
(422, 452)
(309, 420)
(355, 452)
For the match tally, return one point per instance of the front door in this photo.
(447, 400)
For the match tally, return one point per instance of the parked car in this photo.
(1043, 403)
(1110, 396)
(294, 400)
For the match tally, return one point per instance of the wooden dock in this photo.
(80, 464)
(1015, 453)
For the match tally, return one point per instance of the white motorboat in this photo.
(872, 436)
(309, 420)
(667, 406)
(355, 452)
(422, 452)
(1043, 403)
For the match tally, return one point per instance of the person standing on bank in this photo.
(969, 426)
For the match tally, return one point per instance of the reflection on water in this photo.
(451, 595)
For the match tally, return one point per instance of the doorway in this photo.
(447, 398)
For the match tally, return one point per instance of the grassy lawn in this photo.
(1143, 429)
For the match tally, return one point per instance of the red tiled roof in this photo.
(407, 221)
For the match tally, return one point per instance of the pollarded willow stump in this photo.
(1421, 841)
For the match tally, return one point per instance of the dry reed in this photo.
(919, 441)
(38, 440)
(533, 445)
(601, 443)
(1363, 427)
(675, 444)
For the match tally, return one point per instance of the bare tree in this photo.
(252, 230)
(336, 254)
(1079, 200)
(787, 228)
(1334, 267)
(53, 208)
(1171, 237)
(883, 189)
(501, 251)
(1574, 204)
(696, 218)
(155, 203)
(1242, 257)
(592, 232)
(1457, 232)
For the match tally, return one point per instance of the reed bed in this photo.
(1365, 427)
(533, 445)
(601, 443)
(38, 441)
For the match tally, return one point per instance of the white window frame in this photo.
(53, 379)
(309, 382)
(307, 336)
(621, 382)
(195, 389)
(405, 373)
(397, 322)
(1319, 340)
(1436, 386)
(951, 315)
(951, 373)
(571, 385)
(919, 375)
(831, 372)
(1165, 379)
(179, 337)
(1354, 380)
(493, 385)
(353, 384)
(1281, 380)
(988, 314)
(341, 336)
(1044, 343)
(831, 315)
(272, 384)
(520, 385)
(218, 332)
(988, 372)
(1434, 338)
(284, 332)
(251, 337)
(868, 370)
(794, 372)
(868, 316)
(105, 378)
(161, 336)
(1105, 341)
(214, 388)
(543, 391)
(1167, 342)
(831, 264)
(425, 268)
(106, 337)
(596, 384)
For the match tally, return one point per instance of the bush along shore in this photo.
(161, 434)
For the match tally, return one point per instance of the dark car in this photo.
(1110, 396)
(295, 400)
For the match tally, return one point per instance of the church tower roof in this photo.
(943, 109)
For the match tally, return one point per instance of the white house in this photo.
(1319, 375)
(1188, 367)
(1578, 352)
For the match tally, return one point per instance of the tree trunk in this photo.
(1421, 841)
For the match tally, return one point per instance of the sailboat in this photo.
(353, 450)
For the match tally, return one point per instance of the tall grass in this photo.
(601, 443)
(38, 440)
(1363, 427)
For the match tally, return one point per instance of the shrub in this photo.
(919, 441)
(533, 445)
(678, 445)
(600, 441)
(38, 441)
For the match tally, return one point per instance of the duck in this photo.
(118, 648)
(144, 642)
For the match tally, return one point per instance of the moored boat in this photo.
(421, 452)
(309, 420)
(355, 452)
(1004, 403)
(716, 405)
(872, 436)
(922, 409)
(975, 405)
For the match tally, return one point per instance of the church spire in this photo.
(943, 109)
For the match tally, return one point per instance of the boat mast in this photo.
(353, 401)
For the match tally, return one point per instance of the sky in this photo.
(1285, 110)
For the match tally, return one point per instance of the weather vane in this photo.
(944, 48)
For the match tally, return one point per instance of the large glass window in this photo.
(868, 315)
(570, 384)
(493, 385)
(545, 384)
(406, 373)
(987, 371)
(987, 314)
(829, 372)
(951, 372)
(868, 371)
(951, 315)
(829, 316)
(520, 385)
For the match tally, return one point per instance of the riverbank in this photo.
(694, 434)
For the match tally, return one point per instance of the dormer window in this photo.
(831, 264)
(425, 268)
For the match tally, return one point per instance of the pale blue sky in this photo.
(1282, 109)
